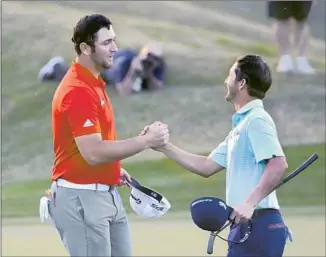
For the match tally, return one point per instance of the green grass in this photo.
(223, 40)
(319, 63)
(198, 52)
(266, 50)
(181, 187)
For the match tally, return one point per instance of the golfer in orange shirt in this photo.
(85, 205)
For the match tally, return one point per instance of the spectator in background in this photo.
(54, 70)
(131, 72)
(282, 12)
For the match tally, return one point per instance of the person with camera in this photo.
(133, 73)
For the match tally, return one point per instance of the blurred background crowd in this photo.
(291, 33)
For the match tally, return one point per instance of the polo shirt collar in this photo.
(85, 75)
(252, 104)
(239, 115)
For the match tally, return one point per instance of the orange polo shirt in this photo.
(81, 106)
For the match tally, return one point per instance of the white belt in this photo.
(95, 186)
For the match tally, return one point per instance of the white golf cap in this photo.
(146, 202)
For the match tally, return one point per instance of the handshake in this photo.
(156, 135)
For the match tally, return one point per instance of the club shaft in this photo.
(297, 171)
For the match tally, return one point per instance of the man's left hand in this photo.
(242, 212)
(124, 178)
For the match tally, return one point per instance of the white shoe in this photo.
(285, 64)
(47, 69)
(302, 66)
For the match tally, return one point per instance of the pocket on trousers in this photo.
(98, 207)
(274, 239)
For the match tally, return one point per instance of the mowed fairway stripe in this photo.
(156, 237)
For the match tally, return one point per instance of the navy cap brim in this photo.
(147, 191)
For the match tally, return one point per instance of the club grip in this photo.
(210, 244)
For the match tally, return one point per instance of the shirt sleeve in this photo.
(81, 108)
(218, 155)
(263, 139)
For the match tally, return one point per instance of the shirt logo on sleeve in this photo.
(88, 123)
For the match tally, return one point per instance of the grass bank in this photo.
(181, 187)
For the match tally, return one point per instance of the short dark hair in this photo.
(257, 74)
(86, 29)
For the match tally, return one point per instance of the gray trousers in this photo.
(90, 223)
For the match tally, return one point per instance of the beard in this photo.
(231, 94)
(101, 62)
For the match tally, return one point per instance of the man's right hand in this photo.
(156, 134)
(137, 66)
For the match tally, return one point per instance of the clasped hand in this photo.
(157, 135)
